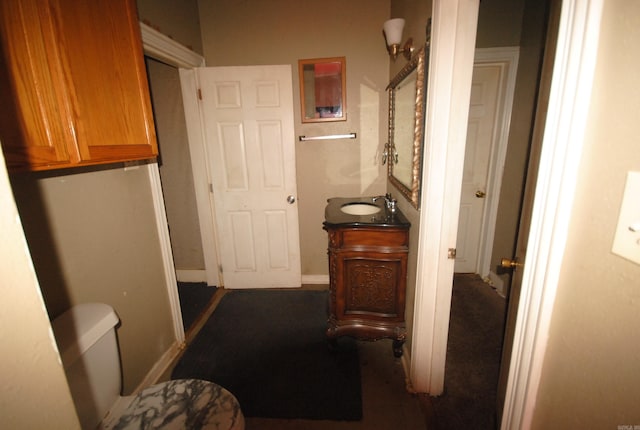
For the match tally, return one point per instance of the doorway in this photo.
(532, 89)
(175, 169)
(443, 167)
(492, 93)
(176, 178)
(534, 77)
(172, 58)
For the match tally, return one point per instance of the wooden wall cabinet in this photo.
(73, 84)
(368, 272)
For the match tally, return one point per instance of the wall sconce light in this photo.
(393, 34)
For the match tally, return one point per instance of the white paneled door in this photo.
(249, 137)
(481, 132)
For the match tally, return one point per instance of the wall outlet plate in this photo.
(626, 242)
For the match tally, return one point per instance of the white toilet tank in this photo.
(88, 346)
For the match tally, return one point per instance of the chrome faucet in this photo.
(389, 202)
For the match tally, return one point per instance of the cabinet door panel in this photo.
(107, 78)
(35, 126)
(373, 286)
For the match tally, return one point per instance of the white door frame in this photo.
(449, 82)
(446, 119)
(507, 59)
(569, 102)
(160, 47)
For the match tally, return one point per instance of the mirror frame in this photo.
(343, 89)
(412, 192)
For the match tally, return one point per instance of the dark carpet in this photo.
(269, 349)
(473, 358)
(194, 298)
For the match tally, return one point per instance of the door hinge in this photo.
(199, 94)
(211, 188)
(220, 268)
(451, 255)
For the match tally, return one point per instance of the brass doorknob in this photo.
(508, 263)
(480, 194)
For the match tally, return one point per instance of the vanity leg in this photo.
(397, 347)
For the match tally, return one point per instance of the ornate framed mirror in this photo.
(323, 89)
(403, 152)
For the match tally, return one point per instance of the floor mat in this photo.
(269, 349)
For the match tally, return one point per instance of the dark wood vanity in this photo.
(368, 272)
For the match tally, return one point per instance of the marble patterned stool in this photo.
(181, 404)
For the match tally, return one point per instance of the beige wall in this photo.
(93, 238)
(34, 393)
(178, 19)
(284, 31)
(590, 375)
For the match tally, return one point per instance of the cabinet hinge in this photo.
(199, 94)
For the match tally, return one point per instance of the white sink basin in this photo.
(360, 208)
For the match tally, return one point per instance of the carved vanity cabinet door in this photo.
(370, 287)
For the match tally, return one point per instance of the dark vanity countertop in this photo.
(334, 217)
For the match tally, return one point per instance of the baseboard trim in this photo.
(315, 279)
(159, 370)
(191, 275)
(406, 365)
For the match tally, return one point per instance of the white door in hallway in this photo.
(247, 114)
(481, 133)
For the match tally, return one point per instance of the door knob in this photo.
(480, 194)
(291, 200)
(508, 263)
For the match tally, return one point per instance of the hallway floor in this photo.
(474, 351)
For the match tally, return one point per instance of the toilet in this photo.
(88, 347)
